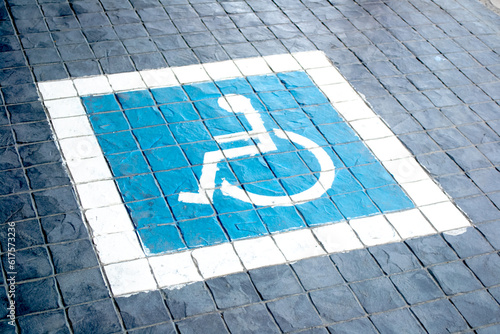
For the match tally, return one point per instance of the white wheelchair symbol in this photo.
(262, 143)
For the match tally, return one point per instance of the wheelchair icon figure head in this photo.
(260, 142)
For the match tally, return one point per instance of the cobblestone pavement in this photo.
(429, 69)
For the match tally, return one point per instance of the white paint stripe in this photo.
(181, 268)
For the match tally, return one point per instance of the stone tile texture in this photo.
(429, 68)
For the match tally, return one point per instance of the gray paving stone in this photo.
(486, 268)
(416, 286)
(73, 256)
(336, 304)
(210, 324)
(36, 296)
(439, 317)
(458, 185)
(438, 163)
(48, 322)
(431, 250)
(362, 325)
(189, 300)
(480, 209)
(491, 232)
(468, 243)
(479, 133)
(377, 295)
(478, 308)
(395, 258)
(316, 273)
(250, 319)
(28, 264)
(487, 179)
(142, 309)
(489, 330)
(449, 138)
(97, 317)
(396, 321)
(276, 281)
(165, 328)
(356, 265)
(294, 312)
(82, 286)
(455, 277)
(419, 143)
(233, 290)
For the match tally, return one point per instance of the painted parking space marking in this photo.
(193, 172)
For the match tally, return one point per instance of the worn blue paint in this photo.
(155, 141)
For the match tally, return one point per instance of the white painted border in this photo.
(129, 270)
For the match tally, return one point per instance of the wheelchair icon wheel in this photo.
(261, 142)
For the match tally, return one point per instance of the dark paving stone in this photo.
(28, 264)
(469, 243)
(97, 317)
(438, 164)
(233, 290)
(32, 132)
(336, 304)
(469, 158)
(35, 154)
(142, 309)
(293, 313)
(47, 176)
(16, 207)
(112, 65)
(487, 180)
(36, 296)
(458, 185)
(397, 321)
(449, 138)
(416, 286)
(26, 112)
(491, 151)
(166, 328)
(83, 68)
(149, 61)
(250, 319)
(210, 324)
(489, 330)
(402, 123)
(55, 201)
(479, 209)
(419, 143)
(362, 325)
(478, 308)
(12, 181)
(189, 300)
(356, 265)
(275, 281)
(20, 94)
(479, 133)
(454, 277)
(180, 57)
(377, 295)
(491, 231)
(50, 72)
(486, 268)
(395, 258)
(439, 317)
(64, 227)
(47, 322)
(317, 272)
(82, 286)
(28, 234)
(73, 256)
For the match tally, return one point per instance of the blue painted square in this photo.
(150, 213)
(202, 232)
(207, 163)
(117, 142)
(135, 99)
(108, 122)
(242, 225)
(142, 117)
(156, 136)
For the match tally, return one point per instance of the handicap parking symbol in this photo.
(212, 162)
